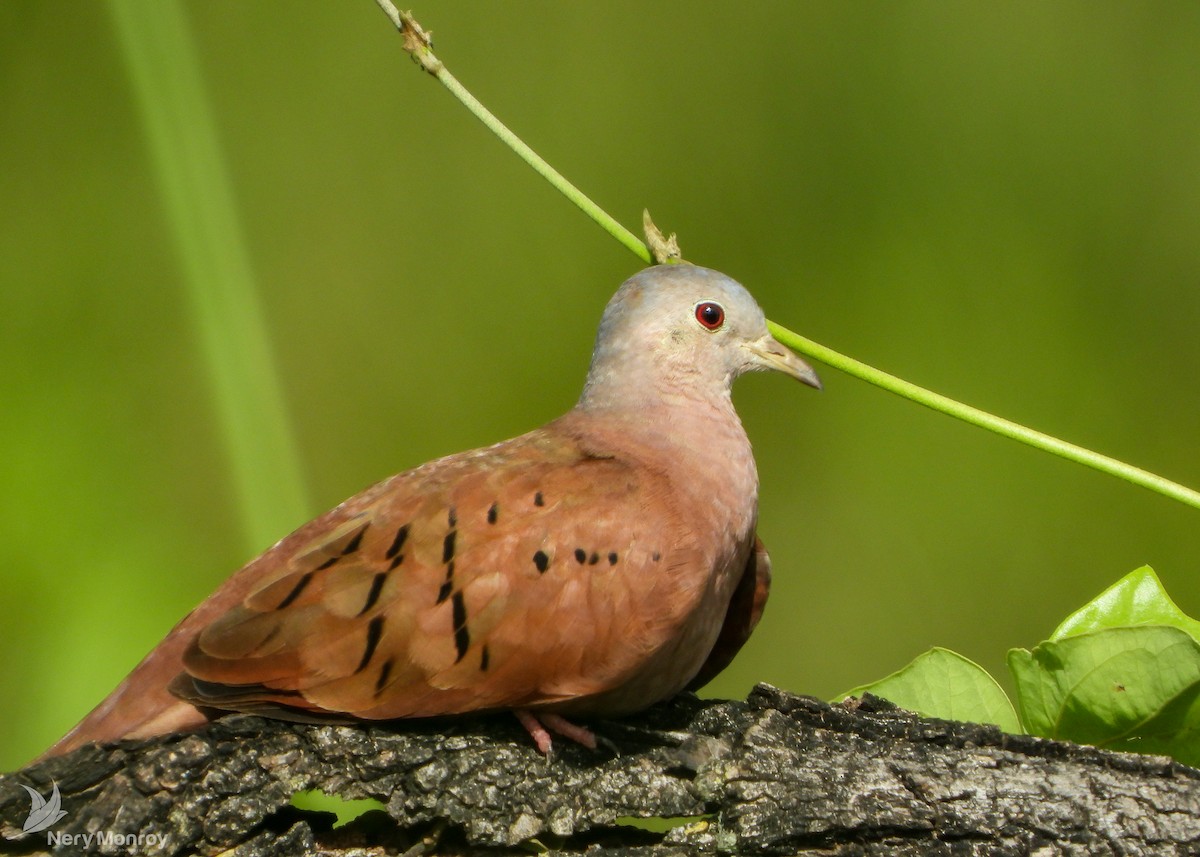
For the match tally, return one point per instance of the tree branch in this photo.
(776, 774)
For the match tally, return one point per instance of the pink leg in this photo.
(567, 729)
(539, 727)
(536, 730)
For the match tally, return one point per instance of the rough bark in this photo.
(775, 774)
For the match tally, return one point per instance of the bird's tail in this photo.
(141, 706)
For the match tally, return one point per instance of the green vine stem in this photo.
(983, 419)
(419, 44)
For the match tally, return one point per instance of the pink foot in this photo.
(539, 727)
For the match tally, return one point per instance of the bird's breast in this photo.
(700, 476)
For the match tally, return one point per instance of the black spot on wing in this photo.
(493, 513)
(448, 558)
(538, 499)
(580, 556)
(612, 558)
(398, 542)
(373, 595)
(542, 561)
(355, 543)
(328, 563)
(447, 586)
(483, 659)
(296, 590)
(462, 637)
(394, 551)
(374, 632)
(384, 673)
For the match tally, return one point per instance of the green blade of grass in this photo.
(201, 214)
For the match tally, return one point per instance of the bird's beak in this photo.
(769, 354)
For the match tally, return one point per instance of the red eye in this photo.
(709, 314)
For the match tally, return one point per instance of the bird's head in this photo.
(682, 328)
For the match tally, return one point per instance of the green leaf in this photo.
(942, 683)
(1138, 598)
(1174, 732)
(1125, 688)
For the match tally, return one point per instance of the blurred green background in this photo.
(1001, 202)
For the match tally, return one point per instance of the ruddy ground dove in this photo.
(592, 567)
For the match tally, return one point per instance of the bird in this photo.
(587, 569)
